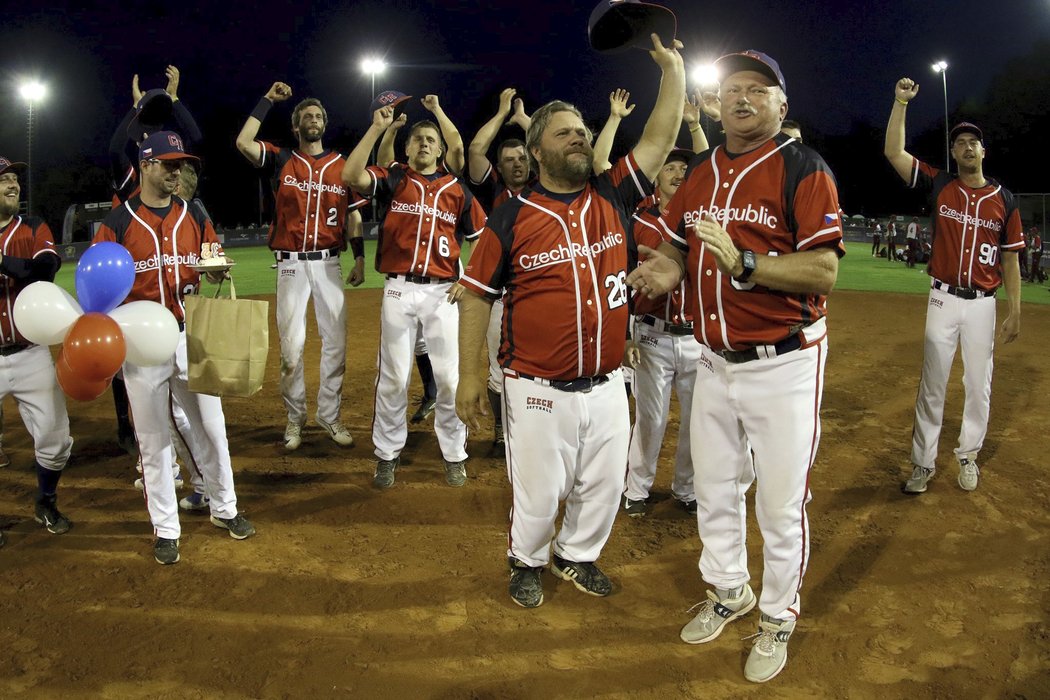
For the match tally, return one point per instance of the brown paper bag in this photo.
(227, 340)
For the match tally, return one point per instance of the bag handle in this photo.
(233, 289)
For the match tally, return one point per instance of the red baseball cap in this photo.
(751, 60)
(164, 145)
(619, 24)
(7, 166)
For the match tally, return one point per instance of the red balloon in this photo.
(94, 348)
(76, 386)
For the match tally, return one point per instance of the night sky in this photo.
(840, 60)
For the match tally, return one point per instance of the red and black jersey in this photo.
(563, 265)
(969, 227)
(673, 307)
(778, 199)
(492, 191)
(29, 255)
(164, 244)
(426, 219)
(311, 199)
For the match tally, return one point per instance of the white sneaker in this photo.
(969, 473)
(195, 502)
(716, 612)
(337, 431)
(293, 436)
(770, 651)
(920, 476)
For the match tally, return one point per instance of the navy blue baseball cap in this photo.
(164, 145)
(619, 24)
(966, 128)
(388, 98)
(7, 166)
(154, 108)
(751, 60)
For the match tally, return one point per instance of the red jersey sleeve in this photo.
(816, 209)
(382, 189)
(43, 240)
(485, 274)
(268, 157)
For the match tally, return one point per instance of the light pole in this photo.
(32, 92)
(705, 75)
(942, 68)
(373, 66)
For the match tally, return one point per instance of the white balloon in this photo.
(44, 312)
(151, 333)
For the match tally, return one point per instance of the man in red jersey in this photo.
(756, 232)
(166, 239)
(316, 217)
(26, 370)
(560, 250)
(976, 230)
(429, 214)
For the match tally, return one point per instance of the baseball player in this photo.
(876, 239)
(314, 212)
(27, 255)
(149, 111)
(166, 238)
(1036, 273)
(663, 350)
(494, 185)
(430, 214)
(913, 241)
(559, 249)
(976, 230)
(757, 229)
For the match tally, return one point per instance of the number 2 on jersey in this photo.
(617, 286)
(332, 217)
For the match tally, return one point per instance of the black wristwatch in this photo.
(747, 257)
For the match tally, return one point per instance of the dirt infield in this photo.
(348, 592)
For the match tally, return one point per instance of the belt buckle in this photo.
(586, 388)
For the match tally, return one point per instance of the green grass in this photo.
(858, 271)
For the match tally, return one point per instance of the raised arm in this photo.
(691, 111)
(246, 143)
(455, 156)
(900, 159)
(355, 173)
(385, 155)
(618, 109)
(519, 117)
(478, 151)
(664, 122)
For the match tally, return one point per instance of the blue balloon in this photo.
(104, 277)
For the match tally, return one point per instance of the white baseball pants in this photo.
(770, 406)
(667, 361)
(297, 282)
(150, 393)
(564, 446)
(952, 322)
(406, 304)
(29, 376)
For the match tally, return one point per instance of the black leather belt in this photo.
(420, 279)
(12, 349)
(311, 255)
(182, 326)
(783, 347)
(666, 326)
(962, 292)
(582, 384)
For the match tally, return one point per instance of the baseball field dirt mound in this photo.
(347, 591)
